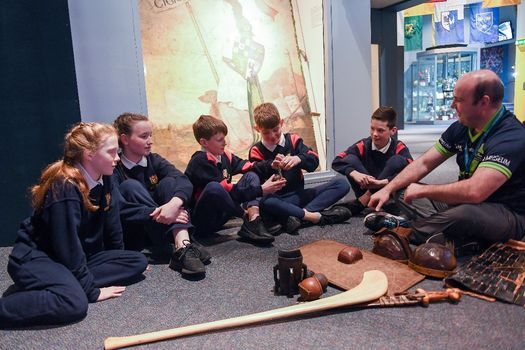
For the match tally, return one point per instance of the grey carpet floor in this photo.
(239, 281)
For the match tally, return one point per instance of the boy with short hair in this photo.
(372, 162)
(287, 155)
(215, 198)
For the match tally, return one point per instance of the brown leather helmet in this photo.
(392, 246)
(433, 259)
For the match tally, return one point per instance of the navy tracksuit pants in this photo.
(48, 293)
(312, 199)
(215, 206)
(139, 229)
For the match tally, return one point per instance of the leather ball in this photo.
(323, 280)
(349, 255)
(310, 289)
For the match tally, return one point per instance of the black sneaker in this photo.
(381, 221)
(187, 260)
(292, 225)
(272, 226)
(354, 206)
(254, 231)
(204, 254)
(334, 215)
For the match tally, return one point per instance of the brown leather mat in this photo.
(321, 256)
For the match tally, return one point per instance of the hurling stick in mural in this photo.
(373, 286)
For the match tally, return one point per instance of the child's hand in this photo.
(363, 180)
(289, 162)
(272, 185)
(276, 163)
(168, 213)
(110, 292)
(183, 217)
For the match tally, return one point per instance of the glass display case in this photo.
(430, 81)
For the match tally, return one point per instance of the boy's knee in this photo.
(341, 183)
(251, 178)
(214, 189)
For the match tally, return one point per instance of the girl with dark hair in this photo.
(156, 197)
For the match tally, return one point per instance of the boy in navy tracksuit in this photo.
(156, 196)
(287, 155)
(372, 162)
(215, 198)
(70, 252)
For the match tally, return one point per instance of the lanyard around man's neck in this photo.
(471, 152)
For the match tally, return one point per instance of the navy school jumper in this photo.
(291, 200)
(215, 198)
(362, 158)
(64, 254)
(144, 189)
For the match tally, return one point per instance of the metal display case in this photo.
(430, 81)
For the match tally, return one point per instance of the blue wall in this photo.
(39, 99)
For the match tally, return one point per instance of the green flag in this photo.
(413, 33)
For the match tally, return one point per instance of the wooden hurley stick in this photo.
(373, 286)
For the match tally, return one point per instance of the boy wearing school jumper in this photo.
(287, 155)
(372, 162)
(215, 198)
(156, 196)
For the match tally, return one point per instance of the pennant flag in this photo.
(448, 27)
(413, 33)
(483, 24)
(419, 10)
(500, 3)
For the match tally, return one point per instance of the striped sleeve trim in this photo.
(443, 150)
(505, 171)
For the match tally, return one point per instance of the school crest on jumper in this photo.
(225, 174)
(154, 180)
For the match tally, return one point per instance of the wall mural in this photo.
(222, 58)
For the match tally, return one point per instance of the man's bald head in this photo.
(484, 82)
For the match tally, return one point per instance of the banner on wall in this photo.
(483, 24)
(413, 32)
(221, 58)
(420, 10)
(448, 27)
(500, 3)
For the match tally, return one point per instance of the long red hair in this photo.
(82, 137)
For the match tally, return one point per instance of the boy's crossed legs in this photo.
(309, 205)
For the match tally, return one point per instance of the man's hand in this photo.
(110, 292)
(289, 162)
(271, 185)
(378, 199)
(413, 191)
(168, 213)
